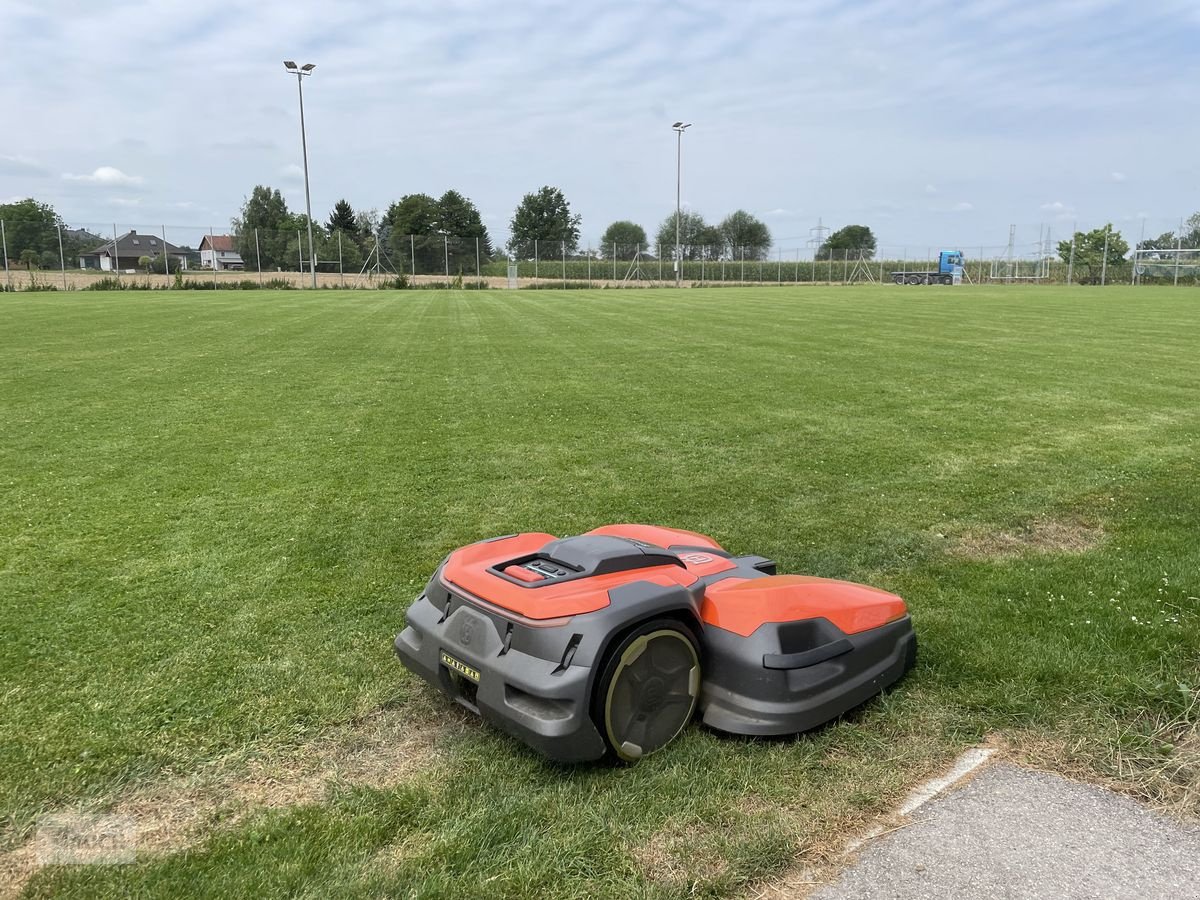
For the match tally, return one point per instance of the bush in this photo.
(559, 286)
(110, 283)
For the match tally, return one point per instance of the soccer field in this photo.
(217, 506)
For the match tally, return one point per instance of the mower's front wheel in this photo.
(648, 688)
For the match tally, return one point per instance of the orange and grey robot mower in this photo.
(610, 642)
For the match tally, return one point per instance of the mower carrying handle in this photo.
(807, 658)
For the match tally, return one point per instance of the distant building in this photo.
(125, 251)
(217, 251)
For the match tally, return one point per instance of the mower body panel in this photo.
(517, 630)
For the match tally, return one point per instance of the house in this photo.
(127, 250)
(217, 250)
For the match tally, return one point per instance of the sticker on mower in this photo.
(461, 668)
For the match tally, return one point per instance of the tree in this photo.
(164, 265)
(621, 240)
(691, 230)
(458, 217)
(1165, 241)
(144, 263)
(1191, 231)
(30, 225)
(366, 221)
(265, 231)
(412, 225)
(543, 217)
(343, 219)
(745, 235)
(710, 242)
(29, 258)
(854, 240)
(1089, 251)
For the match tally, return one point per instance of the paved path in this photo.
(1014, 833)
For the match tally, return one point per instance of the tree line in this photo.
(414, 231)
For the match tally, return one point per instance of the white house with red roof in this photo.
(217, 251)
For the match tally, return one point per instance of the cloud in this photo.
(21, 167)
(963, 206)
(931, 189)
(106, 176)
(292, 172)
(780, 213)
(1118, 177)
(1062, 211)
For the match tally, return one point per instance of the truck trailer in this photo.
(949, 270)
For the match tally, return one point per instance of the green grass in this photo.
(216, 508)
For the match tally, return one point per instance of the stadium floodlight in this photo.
(680, 128)
(300, 72)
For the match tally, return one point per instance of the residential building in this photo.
(126, 250)
(217, 251)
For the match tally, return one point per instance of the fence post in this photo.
(4, 244)
(658, 249)
(742, 275)
(535, 258)
(166, 257)
(412, 255)
(1071, 258)
(1178, 251)
(478, 270)
(341, 269)
(258, 256)
(589, 257)
(62, 260)
(212, 248)
(564, 264)
(614, 260)
(1104, 261)
(116, 261)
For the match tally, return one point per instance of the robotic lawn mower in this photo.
(609, 642)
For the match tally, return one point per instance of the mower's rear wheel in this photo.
(648, 688)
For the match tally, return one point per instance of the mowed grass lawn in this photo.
(215, 508)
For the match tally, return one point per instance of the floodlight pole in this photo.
(680, 128)
(300, 72)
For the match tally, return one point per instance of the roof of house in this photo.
(134, 244)
(222, 243)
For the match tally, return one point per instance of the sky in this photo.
(935, 123)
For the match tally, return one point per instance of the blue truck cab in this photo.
(948, 260)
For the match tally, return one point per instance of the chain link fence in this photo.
(38, 257)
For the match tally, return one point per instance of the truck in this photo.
(950, 265)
